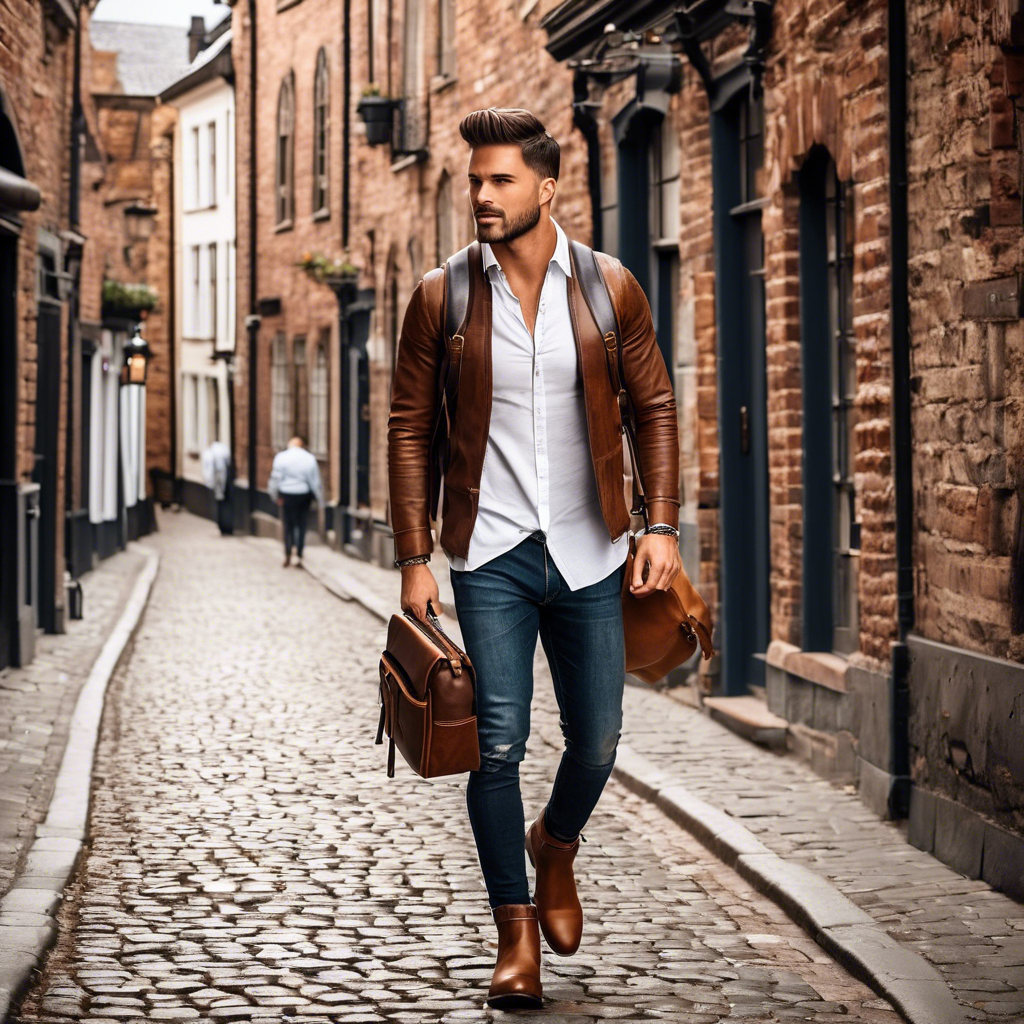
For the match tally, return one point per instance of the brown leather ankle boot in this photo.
(516, 982)
(558, 906)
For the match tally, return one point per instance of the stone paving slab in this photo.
(781, 805)
(249, 859)
(36, 704)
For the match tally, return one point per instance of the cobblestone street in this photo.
(250, 860)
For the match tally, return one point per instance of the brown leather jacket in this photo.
(414, 398)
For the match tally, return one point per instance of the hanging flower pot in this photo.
(376, 112)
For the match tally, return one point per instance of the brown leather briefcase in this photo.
(427, 686)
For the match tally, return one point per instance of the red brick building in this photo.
(38, 246)
(76, 211)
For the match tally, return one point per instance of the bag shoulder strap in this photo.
(455, 310)
(602, 309)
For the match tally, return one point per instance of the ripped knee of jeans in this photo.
(501, 756)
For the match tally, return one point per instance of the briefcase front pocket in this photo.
(431, 748)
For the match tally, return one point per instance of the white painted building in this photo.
(204, 258)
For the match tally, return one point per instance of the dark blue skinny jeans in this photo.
(502, 607)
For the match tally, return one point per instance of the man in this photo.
(535, 522)
(217, 476)
(294, 484)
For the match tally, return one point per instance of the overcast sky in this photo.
(161, 12)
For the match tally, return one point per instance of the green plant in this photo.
(371, 89)
(127, 299)
(320, 267)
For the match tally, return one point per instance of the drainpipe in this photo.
(899, 320)
(172, 320)
(252, 321)
(346, 123)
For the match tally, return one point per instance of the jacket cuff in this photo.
(414, 542)
(663, 510)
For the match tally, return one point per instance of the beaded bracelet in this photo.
(401, 563)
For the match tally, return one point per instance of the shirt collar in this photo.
(560, 256)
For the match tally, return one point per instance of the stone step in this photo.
(749, 717)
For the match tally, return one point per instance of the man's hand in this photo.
(662, 552)
(419, 587)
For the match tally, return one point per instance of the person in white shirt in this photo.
(294, 485)
(535, 522)
(216, 464)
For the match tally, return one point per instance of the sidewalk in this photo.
(36, 704)
(971, 934)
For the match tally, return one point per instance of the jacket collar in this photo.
(560, 256)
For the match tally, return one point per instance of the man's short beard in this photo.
(509, 230)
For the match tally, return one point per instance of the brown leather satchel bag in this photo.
(427, 686)
(664, 628)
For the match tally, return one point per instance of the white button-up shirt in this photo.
(537, 472)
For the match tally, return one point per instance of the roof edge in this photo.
(220, 66)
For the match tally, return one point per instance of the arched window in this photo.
(318, 398)
(281, 424)
(285, 191)
(831, 529)
(443, 219)
(321, 127)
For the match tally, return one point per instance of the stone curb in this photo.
(28, 912)
(848, 934)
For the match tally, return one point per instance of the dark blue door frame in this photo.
(743, 633)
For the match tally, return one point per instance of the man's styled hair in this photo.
(512, 126)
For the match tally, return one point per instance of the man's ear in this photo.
(547, 190)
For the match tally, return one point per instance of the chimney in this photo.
(196, 37)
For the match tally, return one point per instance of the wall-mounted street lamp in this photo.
(137, 355)
(139, 222)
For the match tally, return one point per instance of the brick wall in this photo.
(159, 268)
(36, 54)
(828, 87)
(968, 377)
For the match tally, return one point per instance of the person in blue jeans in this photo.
(534, 525)
(295, 485)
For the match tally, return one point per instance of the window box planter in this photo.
(377, 113)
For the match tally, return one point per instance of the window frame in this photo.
(831, 528)
(319, 397)
(321, 137)
(197, 169)
(282, 415)
(284, 171)
(446, 39)
(212, 273)
(211, 161)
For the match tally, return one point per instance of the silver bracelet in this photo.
(662, 528)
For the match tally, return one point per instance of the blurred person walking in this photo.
(217, 474)
(294, 484)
